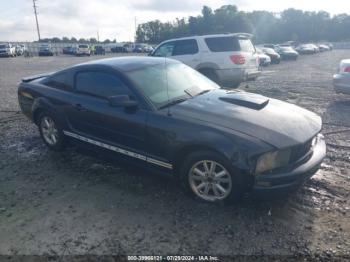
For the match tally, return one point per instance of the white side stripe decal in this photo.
(120, 150)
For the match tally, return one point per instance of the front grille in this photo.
(300, 151)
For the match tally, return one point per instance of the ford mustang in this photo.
(163, 115)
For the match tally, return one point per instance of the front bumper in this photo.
(287, 181)
(341, 83)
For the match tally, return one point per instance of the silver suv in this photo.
(228, 59)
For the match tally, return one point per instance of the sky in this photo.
(115, 19)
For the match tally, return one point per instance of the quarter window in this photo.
(61, 81)
(100, 84)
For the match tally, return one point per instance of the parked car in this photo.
(330, 46)
(219, 143)
(7, 50)
(68, 50)
(316, 48)
(138, 48)
(20, 49)
(287, 53)
(323, 47)
(45, 50)
(274, 56)
(147, 49)
(128, 47)
(118, 49)
(99, 50)
(341, 80)
(272, 46)
(306, 49)
(83, 50)
(264, 60)
(290, 43)
(227, 59)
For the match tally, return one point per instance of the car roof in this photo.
(244, 35)
(129, 63)
(345, 62)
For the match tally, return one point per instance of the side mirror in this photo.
(122, 101)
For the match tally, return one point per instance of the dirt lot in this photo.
(72, 203)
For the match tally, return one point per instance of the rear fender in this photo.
(42, 104)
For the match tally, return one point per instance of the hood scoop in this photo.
(248, 100)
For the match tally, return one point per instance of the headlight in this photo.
(272, 160)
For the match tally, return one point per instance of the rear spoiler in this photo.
(243, 35)
(34, 77)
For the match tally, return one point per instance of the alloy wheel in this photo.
(49, 130)
(210, 181)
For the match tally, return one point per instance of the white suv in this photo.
(228, 59)
(82, 50)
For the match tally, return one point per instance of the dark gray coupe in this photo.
(164, 115)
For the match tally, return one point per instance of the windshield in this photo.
(286, 48)
(3, 46)
(177, 81)
(83, 46)
(269, 51)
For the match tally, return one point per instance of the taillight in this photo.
(347, 69)
(237, 59)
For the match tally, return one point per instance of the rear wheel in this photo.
(209, 177)
(50, 131)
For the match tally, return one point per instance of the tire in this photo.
(210, 73)
(48, 131)
(225, 188)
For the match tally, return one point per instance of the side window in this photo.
(61, 81)
(100, 84)
(165, 50)
(185, 47)
(222, 44)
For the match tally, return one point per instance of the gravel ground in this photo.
(73, 203)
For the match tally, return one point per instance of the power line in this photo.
(36, 18)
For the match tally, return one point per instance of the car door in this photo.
(91, 115)
(164, 50)
(187, 51)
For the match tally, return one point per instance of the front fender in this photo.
(238, 148)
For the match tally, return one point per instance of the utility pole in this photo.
(36, 18)
(98, 37)
(135, 30)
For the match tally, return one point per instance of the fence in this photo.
(33, 47)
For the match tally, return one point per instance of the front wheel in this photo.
(209, 177)
(50, 131)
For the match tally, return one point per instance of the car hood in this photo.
(273, 121)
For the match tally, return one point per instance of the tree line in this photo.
(267, 27)
(91, 40)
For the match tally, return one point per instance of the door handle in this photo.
(79, 107)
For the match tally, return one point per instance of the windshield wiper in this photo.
(173, 102)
